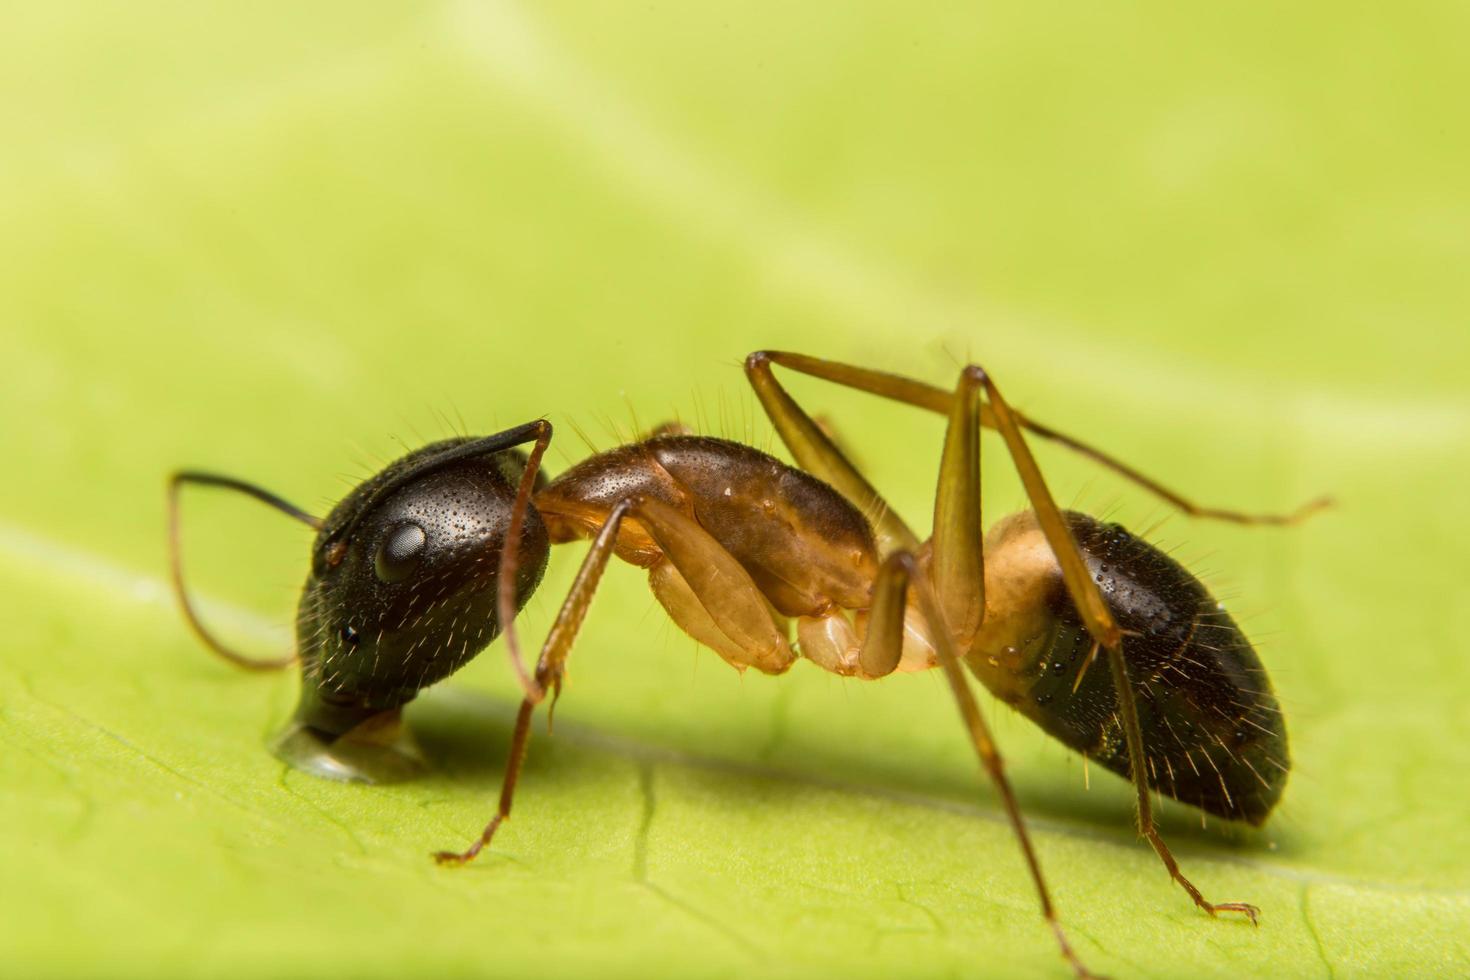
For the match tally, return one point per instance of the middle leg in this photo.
(951, 608)
(900, 574)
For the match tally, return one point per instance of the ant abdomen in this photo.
(402, 593)
(1213, 733)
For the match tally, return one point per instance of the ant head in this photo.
(402, 590)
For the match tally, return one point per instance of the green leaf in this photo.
(284, 241)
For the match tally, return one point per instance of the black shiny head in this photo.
(402, 590)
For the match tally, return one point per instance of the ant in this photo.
(422, 565)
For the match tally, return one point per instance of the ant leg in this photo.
(1099, 620)
(505, 582)
(816, 453)
(176, 557)
(1128, 703)
(709, 594)
(881, 651)
(957, 597)
(957, 560)
(935, 399)
(1082, 590)
(727, 594)
(1169, 496)
(954, 557)
(549, 669)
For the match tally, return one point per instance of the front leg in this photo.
(549, 669)
(881, 651)
(720, 595)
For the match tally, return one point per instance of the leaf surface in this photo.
(285, 242)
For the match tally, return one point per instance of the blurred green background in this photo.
(286, 241)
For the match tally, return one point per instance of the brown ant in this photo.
(423, 564)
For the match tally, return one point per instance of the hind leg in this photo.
(787, 417)
(994, 412)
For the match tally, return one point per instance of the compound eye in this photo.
(400, 552)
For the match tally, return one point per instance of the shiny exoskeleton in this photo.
(402, 593)
(1212, 729)
(1101, 639)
